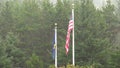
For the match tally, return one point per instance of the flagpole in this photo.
(73, 43)
(55, 45)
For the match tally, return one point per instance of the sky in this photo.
(97, 3)
(100, 3)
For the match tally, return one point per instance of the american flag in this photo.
(70, 28)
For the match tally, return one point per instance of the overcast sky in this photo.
(97, 3)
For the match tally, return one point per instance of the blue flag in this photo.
(53, 47)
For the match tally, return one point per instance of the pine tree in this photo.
(92, 37)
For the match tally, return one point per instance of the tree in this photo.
(114, 60)
(11, 56)
(109, 14)
(5, 61)
(33, 22)
(12, 50)
(118, 9)
(34, 62)
(92, 37)
(7, 22)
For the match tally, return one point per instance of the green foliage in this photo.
(5, 62)
(7, 21)
(117, 10)
(109, 14)
(29, 15)
(114, 60)
(92, 38)
(52, 66)
(32, 21)
(11, 56)
(70, 66)
(34, 62)
(13, 50)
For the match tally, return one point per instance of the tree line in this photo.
(27, 31)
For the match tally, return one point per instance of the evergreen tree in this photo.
(118, 9)
(7, 21)
(5, 62)
(11, 56)
(92, 37)
(34, 20)
(114, 60)
(109, 14)
(12, 50)
(34, 62)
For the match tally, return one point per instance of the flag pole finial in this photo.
(55, 24)
(73, 5)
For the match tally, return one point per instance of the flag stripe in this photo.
(70, 28)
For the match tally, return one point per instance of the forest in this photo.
(27, 31)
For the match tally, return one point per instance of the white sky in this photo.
(97, 3)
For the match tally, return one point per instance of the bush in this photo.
(52, 66)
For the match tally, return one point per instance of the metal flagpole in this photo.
(55, 45)
(73, 43)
